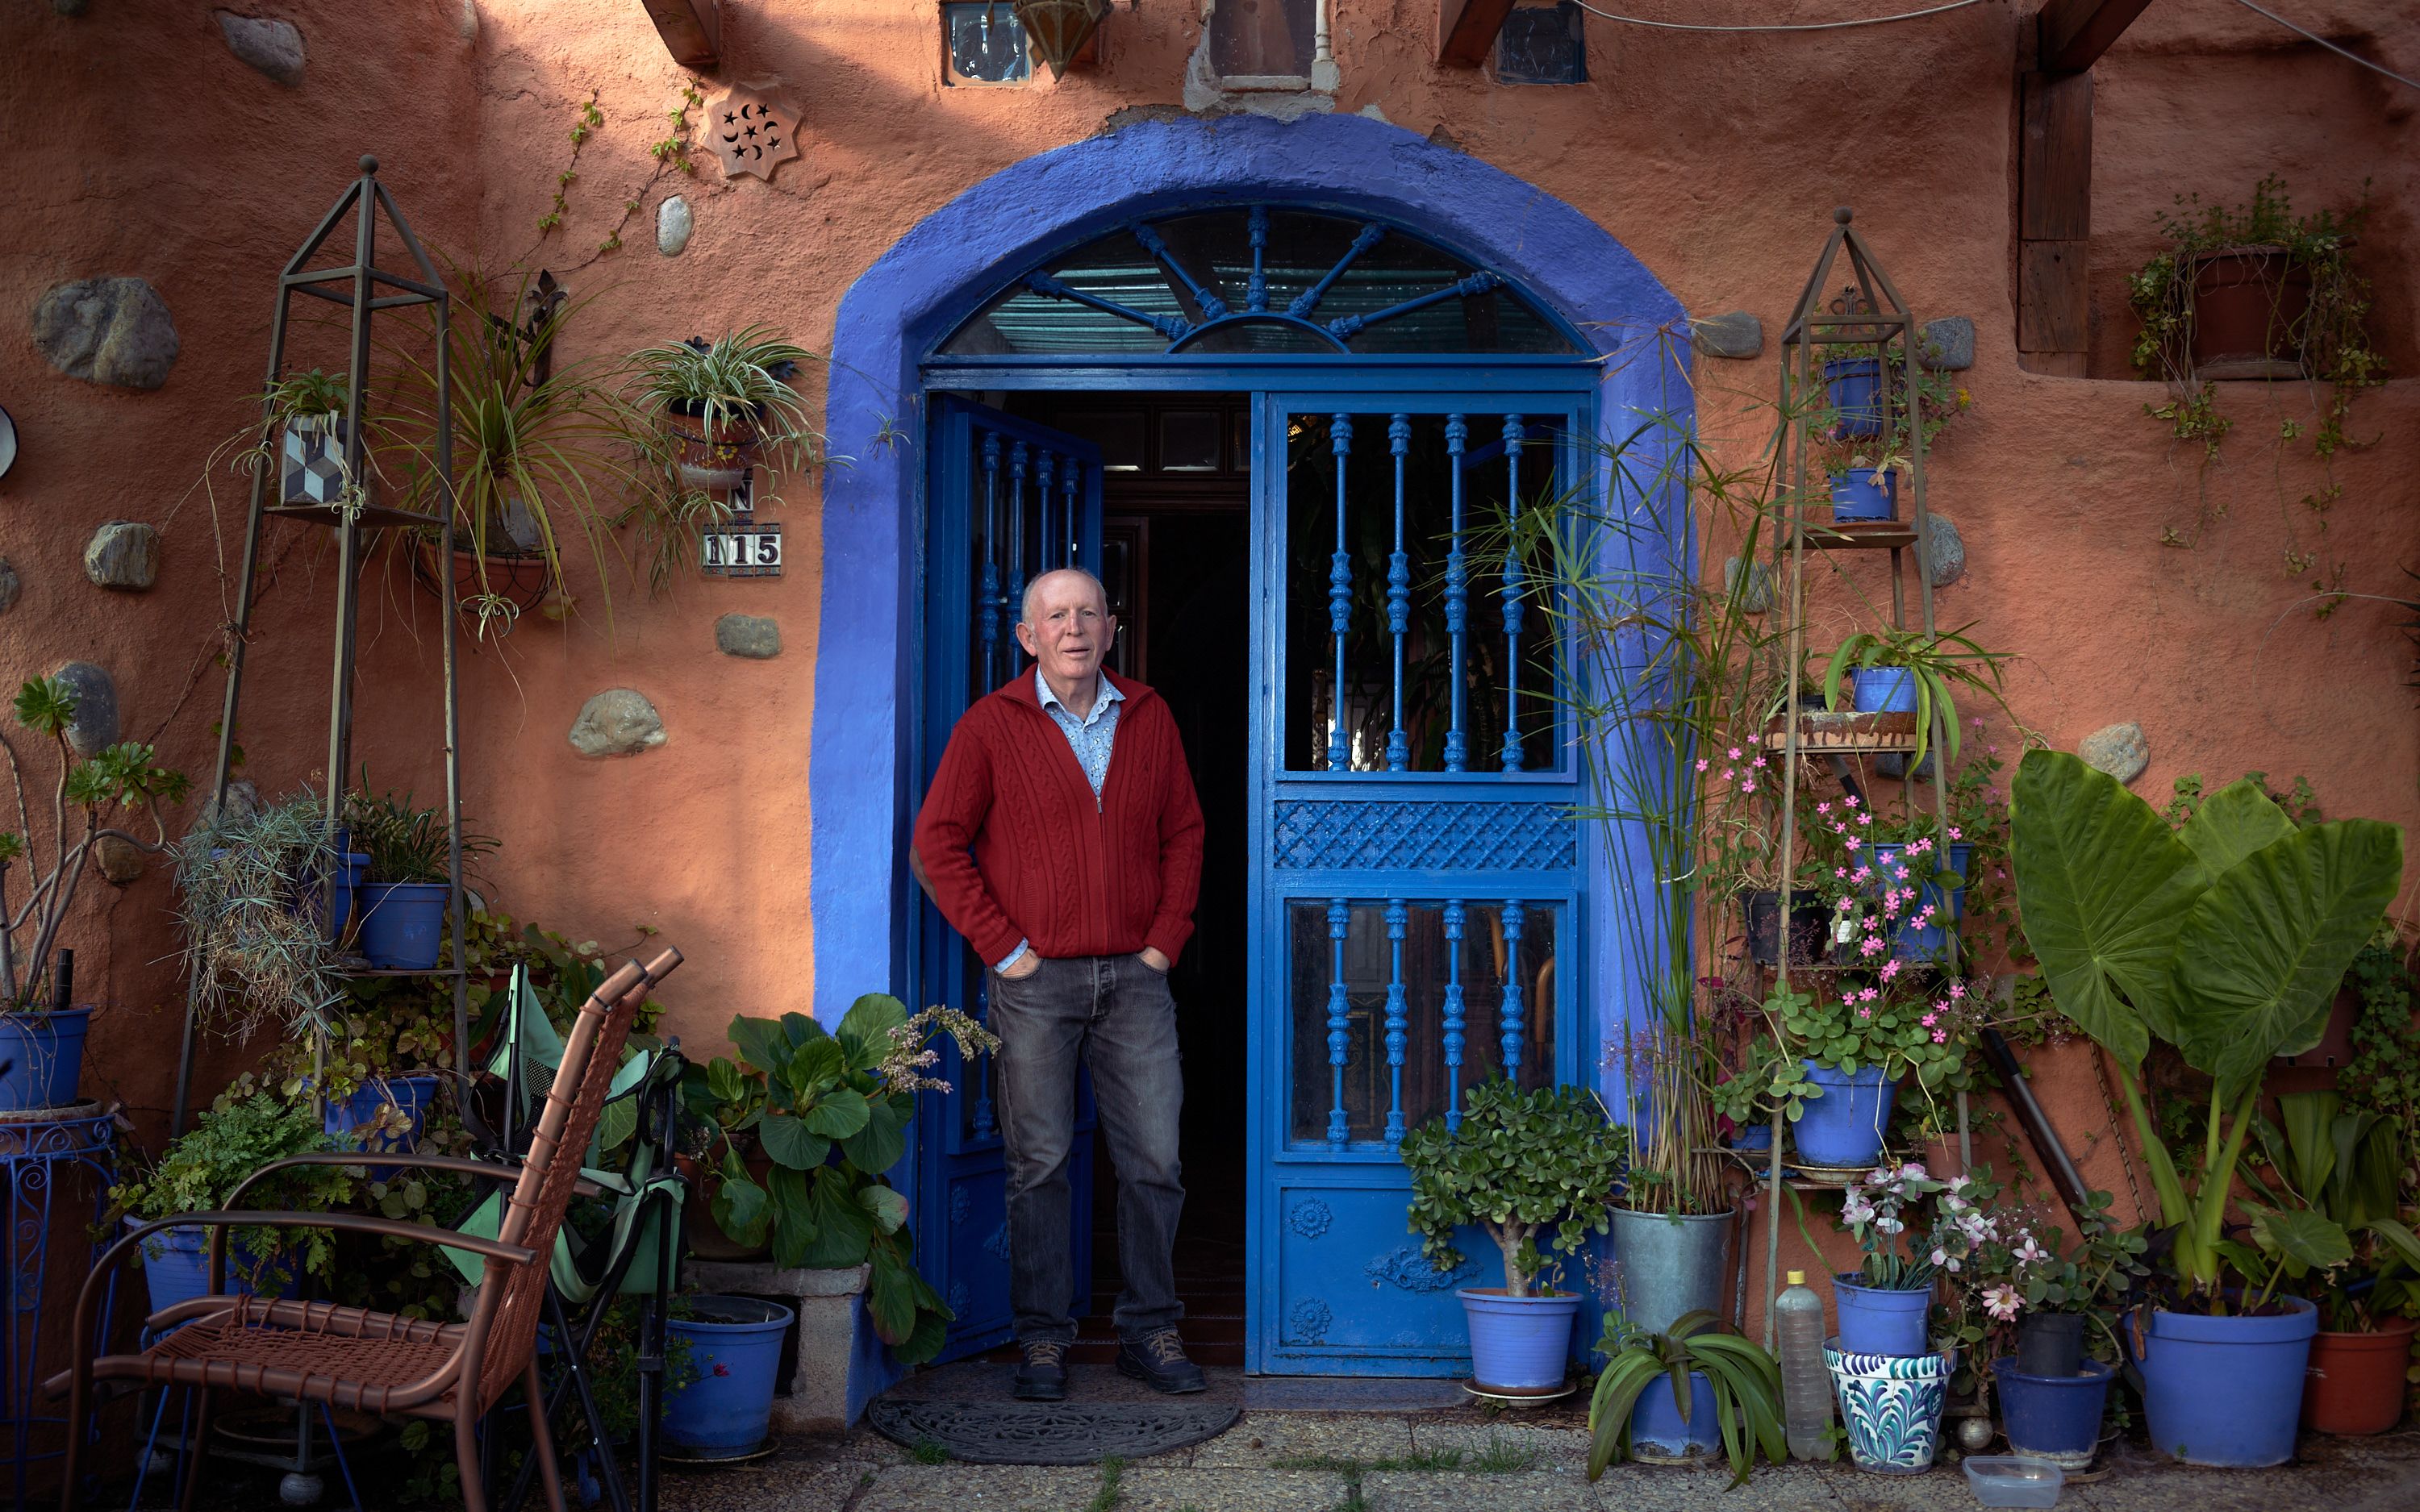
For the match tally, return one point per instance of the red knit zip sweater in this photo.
(1013, 845)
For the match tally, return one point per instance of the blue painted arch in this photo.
(916, 292)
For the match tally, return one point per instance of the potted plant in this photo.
(256, 949)
(1859, 1034)
(829, 1114)
(1518, 1166)
(202, 1167)
(1907, 672)
(1673, 1216)
(1683, 1395)
(1860, 441)
(2326, 1213)
(720, 1406)
(309, 408)
(42, 1032)
(1912, 1229)
(407, 891)
(2252, 291)
(2225, 939)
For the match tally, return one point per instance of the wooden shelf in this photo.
(372, 517)
(1861, 535)
(1849, 734)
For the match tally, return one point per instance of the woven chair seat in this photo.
(365, 1362)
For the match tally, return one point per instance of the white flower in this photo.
(1940, 1257)
(2002, 1302)
(1888, 1224)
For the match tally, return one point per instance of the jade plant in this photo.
(1517, 1164)
(2226, 940)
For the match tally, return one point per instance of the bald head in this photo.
(1059, 584)
(1065, 626)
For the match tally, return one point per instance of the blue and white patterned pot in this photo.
(1891, 1404)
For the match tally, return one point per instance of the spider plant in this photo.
(404, 841)
(1938, 663)
(1746, 1389)
(253, 948)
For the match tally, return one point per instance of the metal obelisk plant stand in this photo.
(1868, 311)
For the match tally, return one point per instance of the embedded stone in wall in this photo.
(1757, 596)
(123, 553)
(113, 331)
(674, 222)
(2119, 750)
(617, 722)
(243, 801)
(1946, 345)
(1949, 551)
(756, 637)
(120, 861)
(9, 585)
(1738, 335)
(273, 47)
(95, 715)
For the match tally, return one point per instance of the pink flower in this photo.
(1824, 807)
(1865, 1012)
(1736, 753)
(1727, 773)
(1941, 1037)
(1841, 872)
(1928, 1018)
(1848, 802)
(1870, 944)
(1749, 786)
(1860, 874)
(1865, 818)
(1851, 843)
(1868, 994)
(1891, 969)
(1873, 923)
(1957, 989)
(1704, 763)
(1759, 762)
(2002, 1302)
(1954, 834)
(1900, 872)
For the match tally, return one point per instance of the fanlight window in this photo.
(1258, 280)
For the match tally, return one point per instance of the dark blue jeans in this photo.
(1115, 1014)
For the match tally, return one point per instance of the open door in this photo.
(1005, 501)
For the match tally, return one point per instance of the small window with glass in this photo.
(1542, 44)
(984, 43)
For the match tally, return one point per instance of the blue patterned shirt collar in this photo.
(1109, 695)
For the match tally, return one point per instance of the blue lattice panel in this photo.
(1314, 834)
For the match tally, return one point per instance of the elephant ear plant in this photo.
(1515, 1165)
(831, 1112)
(2226, 938)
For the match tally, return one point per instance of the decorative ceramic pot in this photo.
(1880, 1319)
(711, 456)
(724, 1410)
(1891, 1406)
(2249, 306)
(45, 1056)
(1864, 494)
(311, 460)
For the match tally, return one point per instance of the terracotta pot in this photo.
(2354, 1383)
(2249, 303)
(711, 456)
(706, 1239)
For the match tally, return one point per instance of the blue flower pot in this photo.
(2226, 1391)
(45, 1056)
(2055, 1418)
(176, 1263)
(1657, 1435)
(1929, 941)
(1891, 1407)
(1843, 1126)
(412, 1094)
(1865, 493)
(403, 924)
(355, 871)
(1856, 391)
(1518, 1343)
(1876, 1321)
(725, 1408)
(1753, 1136)
(1883, 690)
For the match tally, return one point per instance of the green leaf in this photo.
(888, 1206)
(932, 1332)
(1625, 1376)
(2231, 823)
(865, 1028)
(761, 1044)
(741, 1211)
(2302, 1236)
(844, 1230)
(883, 1141)
(723, 1080)
(838, 1113)
(2261, 953)
(800, 1030)
(792, 1143)
(812, 1067)
(2104, 888)
(796, 1230)
(890, 1301)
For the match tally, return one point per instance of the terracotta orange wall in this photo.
(1716, 158)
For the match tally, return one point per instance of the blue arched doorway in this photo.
(1419, 899)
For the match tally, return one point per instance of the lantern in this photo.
(1060, 28)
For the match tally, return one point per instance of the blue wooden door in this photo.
(1418, 881)
(1005, 501)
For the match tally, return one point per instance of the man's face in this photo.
(1070, 628)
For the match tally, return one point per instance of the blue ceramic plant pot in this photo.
(1929, 941)
(1657, 1435)
(1883, 690)
(403, 924)
(2227, 1391)
(1843, 1126)
(176, 1263)
(2055, 1418)
(1856, 391)
(1877, 1321)
(412, 1094)
(1865, 493)
(348, 885)
(724, 1410)
(45, 1056)
(1891, 1407)
(1518, 1343)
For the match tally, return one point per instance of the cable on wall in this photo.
(2341, 51)
(1798, 26)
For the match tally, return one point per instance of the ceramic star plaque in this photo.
(749, 134)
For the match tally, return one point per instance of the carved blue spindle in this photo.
(1071, 479)
(1172, 326)
(1509, 1017)
(1206, 298)
(1396, 913)
(1308, 300)
(973, 1069)
(1046, 465)
(1512, 754)
(1453, 1009)
(1457, 596)
(987, 589)
(1340, 603)
(1257, 293)
(1399, 595)
(1340, 917)
(1016, 586)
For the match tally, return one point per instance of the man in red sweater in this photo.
(1062, 838)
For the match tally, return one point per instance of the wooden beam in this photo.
(1467, 30)
(2054, 222)
(692, 30)
(2075, 33)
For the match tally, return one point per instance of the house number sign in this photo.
(741, 549)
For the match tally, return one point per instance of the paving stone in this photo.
(979, 1488)
(1150, 1488)
(674, 223)
(123, 553)
(1737, 335)
(1544, 1449)
(1452, 1490)
(273, 47)
(1263, 1440)
(1635, 1488)
(772, 1485)
(619, 721)
(113, 331)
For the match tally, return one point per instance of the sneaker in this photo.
(1042, 1377)
(1158, 1361)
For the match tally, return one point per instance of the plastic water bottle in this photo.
(1806, 1385)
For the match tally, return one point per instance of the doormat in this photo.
(1050, 1433)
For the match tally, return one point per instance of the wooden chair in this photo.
(373, 1361)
